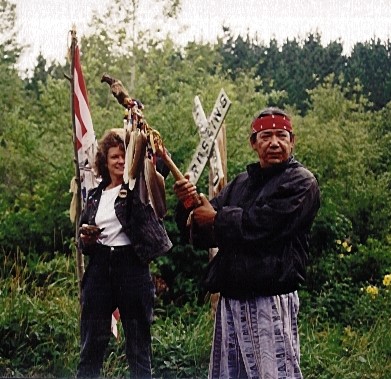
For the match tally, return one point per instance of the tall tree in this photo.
(337, 141)
(240, 54)
(42, 71)
(304, 67)
(269, 65)
(12, 101)
(123, 26)
(370, 62)
(9, 47)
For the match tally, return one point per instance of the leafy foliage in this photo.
(9, 47)
(370, 62)
(40, 337)
(341, 112)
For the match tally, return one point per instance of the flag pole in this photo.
(79, 255)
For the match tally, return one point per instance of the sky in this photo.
(44, 24)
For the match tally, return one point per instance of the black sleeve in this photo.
(289, 210)
(181, 216)
(83, 219)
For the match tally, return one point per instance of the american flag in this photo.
(85, 136)
(86, 144)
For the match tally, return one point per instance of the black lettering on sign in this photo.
(194, 168)
(223, 101)
(216, 179)
(208, 130)
(216, 118)
(199, 156)
(210, 133)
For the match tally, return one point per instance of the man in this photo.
(260, 223)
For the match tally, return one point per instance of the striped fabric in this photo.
(85, 136)
(256, 338)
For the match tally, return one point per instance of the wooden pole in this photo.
(221, 142)
(79, 255)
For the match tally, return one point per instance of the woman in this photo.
(117, 276)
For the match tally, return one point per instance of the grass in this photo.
(39, 332)
(337, 352)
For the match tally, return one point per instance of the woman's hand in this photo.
(89, 234)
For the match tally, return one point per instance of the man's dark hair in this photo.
(267, 112)
(273, 110)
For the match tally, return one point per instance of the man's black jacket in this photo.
(261, 229)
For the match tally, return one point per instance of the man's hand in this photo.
(183, 188)
(204, 215)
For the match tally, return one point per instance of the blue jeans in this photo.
(116, 279)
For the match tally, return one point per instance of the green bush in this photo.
(371, 262)
(182, 270)
(344, 328)
(39, 326)
(38, 221)
(39, 321)
(182, 340)
(331, 351)
(335, 281)
(329, 225)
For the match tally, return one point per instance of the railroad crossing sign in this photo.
(208, 130)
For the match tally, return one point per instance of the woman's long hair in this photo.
(109, 139)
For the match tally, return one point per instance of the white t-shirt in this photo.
(106, 218)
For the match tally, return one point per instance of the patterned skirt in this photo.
(256, 338)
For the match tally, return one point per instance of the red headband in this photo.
(273, 121)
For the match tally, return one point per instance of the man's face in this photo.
(273, 146)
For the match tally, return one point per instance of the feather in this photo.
(129, 157)
(156, 188)
(138, 157)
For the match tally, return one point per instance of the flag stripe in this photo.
(78, 74)
(82, 105)
(80, 128)
(84, 129)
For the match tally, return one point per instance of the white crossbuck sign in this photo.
(208, 130)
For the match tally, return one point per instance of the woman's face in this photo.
(116, 163)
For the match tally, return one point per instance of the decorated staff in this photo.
(143, 143)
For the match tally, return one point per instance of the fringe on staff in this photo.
(140, 153)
